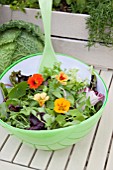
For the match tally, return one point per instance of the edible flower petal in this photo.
(35, 81)
(41, 98)
(61, 105)
(62, 78)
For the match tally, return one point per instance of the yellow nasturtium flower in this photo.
(41, 98)
(62, 78)
(61, 105)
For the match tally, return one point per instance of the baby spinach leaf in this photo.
(49, 119)
(50, 111)
(61, 119)
(74, 112)
(19, 90)
(50, 104)
(14, 102)
(57, 94)
(71, 99)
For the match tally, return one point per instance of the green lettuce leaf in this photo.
(9, 36)
(6, 53)
(18, 39)
(19, 90)
(26, 44)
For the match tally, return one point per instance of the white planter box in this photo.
(69, 35)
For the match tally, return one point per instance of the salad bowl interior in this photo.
(57, 138)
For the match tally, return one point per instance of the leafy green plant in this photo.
(100, 23)
(62, 5)
(56, 2)
(18, 39)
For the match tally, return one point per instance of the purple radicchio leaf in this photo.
(95, 97)
(14, 108)
(35, 123)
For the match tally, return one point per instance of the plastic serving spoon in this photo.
(49, 57)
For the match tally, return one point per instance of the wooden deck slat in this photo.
(59, 159)
(24, 155)
(10, 166)
(103, 136)
(3, 136)
(110, 159)
(41, 159)
(81, 149)
(80, 152)
(10, 148)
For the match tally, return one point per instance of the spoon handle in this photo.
(49, 57)
(46, 7)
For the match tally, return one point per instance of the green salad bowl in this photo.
(62, 137)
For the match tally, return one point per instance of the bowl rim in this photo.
(60, 129)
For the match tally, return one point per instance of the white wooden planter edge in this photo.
(63, 24)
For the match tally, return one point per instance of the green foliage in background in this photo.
(18, 39)
(99, 24)
(60, 5)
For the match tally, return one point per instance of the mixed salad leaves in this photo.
(54, 99)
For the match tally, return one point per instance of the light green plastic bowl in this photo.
(58, 138)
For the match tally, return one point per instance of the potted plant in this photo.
(69, 29)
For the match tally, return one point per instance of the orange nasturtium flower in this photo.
(62, 78)
(35, 81)
(41, 98)
(61, 105)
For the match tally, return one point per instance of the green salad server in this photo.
(49, 57)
